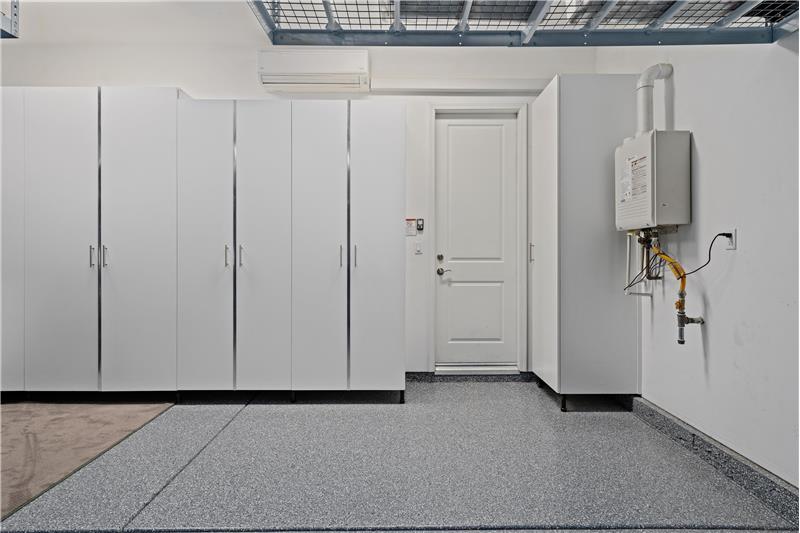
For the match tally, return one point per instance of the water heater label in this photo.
(634, 178)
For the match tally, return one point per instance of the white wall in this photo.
(736, 378)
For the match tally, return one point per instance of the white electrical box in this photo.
(653, 180)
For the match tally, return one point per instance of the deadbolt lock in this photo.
(440, 257)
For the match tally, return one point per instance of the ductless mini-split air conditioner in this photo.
(314, 70)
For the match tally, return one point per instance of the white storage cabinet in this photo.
(582, 326)
(138, 252)
(263, 245)
(205, 244)
(13, 238)
(156, 242)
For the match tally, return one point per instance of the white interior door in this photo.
(264, 245)
(319, 245)
(61, 238)
(543, 231)
(205, 244)
(13, 238)
(377, 237)
(138, 236)
(476, 236)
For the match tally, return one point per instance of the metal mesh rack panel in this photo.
(701, 14)
(297, 14)
(570, 14)
(766, 13)
(633, 15)
(497, 15)
(431, 15)
(364, 14)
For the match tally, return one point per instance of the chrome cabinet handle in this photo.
(340, 255)
(355, 256)
(241, 252)
(227, 262)
(530, 252)
(105, 254)
(91, 256)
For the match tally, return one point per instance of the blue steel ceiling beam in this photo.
(728, 19)
(580, 37)
(538, 12)
(397, 25)
(670, 12)
(600, 15)
(786, 26)
(264, 18)
(332, 24)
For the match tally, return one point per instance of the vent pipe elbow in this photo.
(644, 95)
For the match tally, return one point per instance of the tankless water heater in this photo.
(653, 185)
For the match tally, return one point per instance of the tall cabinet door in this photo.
(319, 245)
(61, 239)
(377, 238)
(264, 245)
(13, 238)
(138, 238)
(543, 298)
(205, 244)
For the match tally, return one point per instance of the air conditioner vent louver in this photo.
(314, 71)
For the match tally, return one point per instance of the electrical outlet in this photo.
(732, 242)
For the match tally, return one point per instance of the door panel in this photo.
(263, 231)
(543, 231)
(319, 245)
(205, 244)
(13, 241)
(377, 268)
(476, 232)
(61, 239)
(138, 229)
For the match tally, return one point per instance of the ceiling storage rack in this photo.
(9, 19)
(523, 23)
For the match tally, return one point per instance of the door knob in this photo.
(441, 271)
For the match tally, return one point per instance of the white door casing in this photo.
(319, 245)
(61, 238)
(205, 244)
(477, 301)
(264, 245)
(377, 266)
(138, 232)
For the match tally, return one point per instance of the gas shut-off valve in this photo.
(651, 244)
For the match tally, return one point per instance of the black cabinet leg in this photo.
(563, 403)
(292, 397)
(402, 396)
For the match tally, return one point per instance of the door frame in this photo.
(519, 109)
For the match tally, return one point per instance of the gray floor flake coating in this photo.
(456, 455)
(471, 456)
(108, 492)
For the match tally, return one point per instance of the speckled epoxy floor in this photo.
(455, 456)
